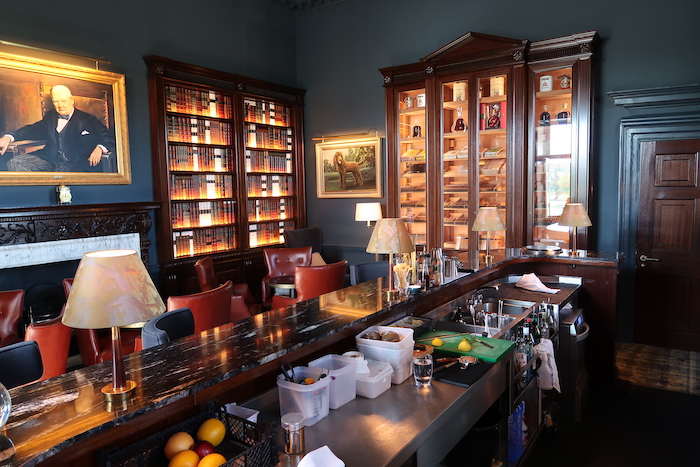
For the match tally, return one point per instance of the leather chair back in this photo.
(310, 236)
(283, 262)
(11, 309)
(364, 272)
(210, 309)
(169, 326)
(206, 274)
(53, 338)
(312, 281)
(20, 364)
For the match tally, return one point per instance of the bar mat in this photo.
(460, 377)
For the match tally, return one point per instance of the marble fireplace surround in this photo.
(41, 235)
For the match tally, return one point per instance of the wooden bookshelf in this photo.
(228, 162)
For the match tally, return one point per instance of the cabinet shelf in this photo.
(554, 94)
(413, 111)
(248, 122)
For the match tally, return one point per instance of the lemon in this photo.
(464, 346)
(437, 342)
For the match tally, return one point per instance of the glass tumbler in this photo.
(423, 370)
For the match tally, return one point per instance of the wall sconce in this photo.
(575, 215)
(368, 212)
(488, 220)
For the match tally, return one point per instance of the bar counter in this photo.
(65, 419)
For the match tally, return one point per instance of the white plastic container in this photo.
(342, 372)
(398, 354)
(377, 381)
(311, 400)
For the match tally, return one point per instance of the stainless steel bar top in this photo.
(403, 425)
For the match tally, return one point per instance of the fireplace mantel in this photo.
(55, 223)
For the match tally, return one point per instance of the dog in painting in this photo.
(344, 167)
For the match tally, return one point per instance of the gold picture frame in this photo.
(349, 168)
(25, 99)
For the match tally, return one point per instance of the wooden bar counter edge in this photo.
(64, 420)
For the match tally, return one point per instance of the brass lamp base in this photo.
(113, 394)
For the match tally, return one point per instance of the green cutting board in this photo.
(449, 346)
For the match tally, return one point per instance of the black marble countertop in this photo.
(53, 415)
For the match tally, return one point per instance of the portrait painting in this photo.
(61, 124)
(349, 168)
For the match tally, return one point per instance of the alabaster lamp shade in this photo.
(368, 212)
(488, 219)
(574, 215)
(112, 288)
(390, 236)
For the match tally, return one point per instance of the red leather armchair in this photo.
(11, 308)
(312, 281)
(210, 309)
(53, 338)
(95, 345)
(282, 262)
(206, 275)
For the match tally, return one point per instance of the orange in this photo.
(212, 460)
(177, 442)
(212, 430)
(184, 458)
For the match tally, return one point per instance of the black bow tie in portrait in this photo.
(64, 117)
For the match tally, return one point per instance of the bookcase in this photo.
(228, 157)
(464, 132)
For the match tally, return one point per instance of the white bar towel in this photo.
(532, 282)
(321, 457)
(547, 374)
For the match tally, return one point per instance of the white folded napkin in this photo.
(532, 282)
(548, 373)
(321, 457)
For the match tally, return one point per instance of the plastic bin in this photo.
(377, 381)
(398, 354)
(343, 383)
(246, 443)
(309, 399)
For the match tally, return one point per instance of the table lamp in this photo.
(574, 215)
(390, 236)
(112, 288)
(488, 220)
(368, 212)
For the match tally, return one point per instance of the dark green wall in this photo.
(334, 52)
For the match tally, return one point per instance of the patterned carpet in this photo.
(658, 367)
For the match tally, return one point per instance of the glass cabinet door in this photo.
(412, 164)
(455, 160)
(553, 148)
(493, 151)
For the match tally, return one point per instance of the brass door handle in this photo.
(643, 258)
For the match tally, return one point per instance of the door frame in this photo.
(633, 132)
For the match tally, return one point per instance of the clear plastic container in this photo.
(342, 372)
(377, 381)
(311, 400)
(398, 354)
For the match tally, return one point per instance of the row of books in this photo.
(268, 233)
(201, 241)
(198, 131)
(205, 186)
(203, 214)
(264, 161)
(268, 137)
(198, 102)
(270, 209)
(266, 112)
(197, 158)
(270, 185)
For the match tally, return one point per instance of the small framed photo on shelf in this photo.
(349, 168)
(40, 99)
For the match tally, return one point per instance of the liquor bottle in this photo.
(459, 125)
(544, 117)
(564, 116)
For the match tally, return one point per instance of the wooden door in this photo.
(667, 287)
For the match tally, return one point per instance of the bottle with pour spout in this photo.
(438, 267)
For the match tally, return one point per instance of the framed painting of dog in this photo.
(349, 168)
